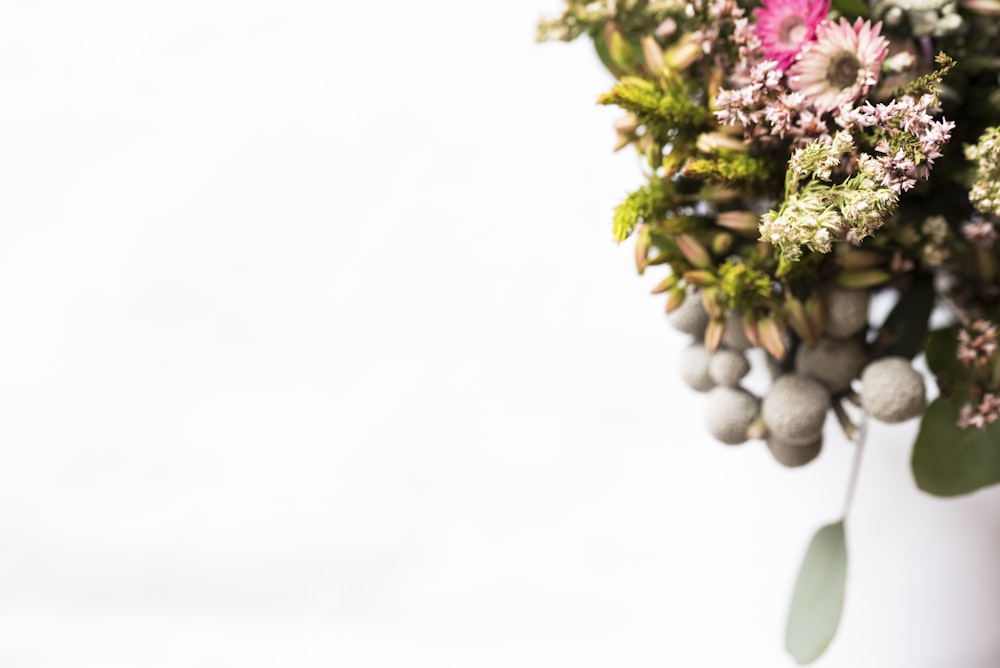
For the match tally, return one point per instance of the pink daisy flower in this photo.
(783, 26)
(841, 65)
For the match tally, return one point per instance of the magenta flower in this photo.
(784, 26)
(841, 65)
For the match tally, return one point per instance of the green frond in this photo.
(928, 83)
(648, 203)
(663, 112)
(742, 287)
(737, 169)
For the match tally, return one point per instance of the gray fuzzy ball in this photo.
(694, 367)
(833, 362)
(728, 367)
(846, 312)
(729, 412)
(690, 316)
(795, 409)
(892, 390)
(793, 455)
(734, 337)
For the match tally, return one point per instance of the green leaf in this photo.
(948, 460)
(851, 8)
(940, 350)
(905, 330)
(819, 595)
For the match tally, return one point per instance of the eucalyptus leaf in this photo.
(819, 595)
(905, 330)
(940, 350)
(949, 460)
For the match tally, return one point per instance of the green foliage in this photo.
(648, 203)
(949, 460)
(852, 8)
(742, 287)
(942, 344)
(635, 18)
(819, 595)
(736, 170)
(664, 112)
(929, 82)
(985, 190)
(904, 332)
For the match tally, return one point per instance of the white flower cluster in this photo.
(807, 218)
(985, 192)
(822, 212)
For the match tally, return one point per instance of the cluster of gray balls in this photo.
(790, 417)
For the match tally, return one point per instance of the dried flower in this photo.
(980, 231)
(987, 411)
(784, 26)
(985, 192)
(841, 65)
(977, 343)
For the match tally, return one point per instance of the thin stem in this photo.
(846, 425)
(852, 482)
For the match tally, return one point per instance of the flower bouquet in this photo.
(803, 156)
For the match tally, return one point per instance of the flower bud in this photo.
(772, 337)
(713, 334)
(675, 298)
(722, 243)
(987, 7)
(652, 53)
(795, 316)
(667, 28)
(666, 284)
(643, 243)
(693, 251)
(739, 221)
(683, 54)
(713, 142)
(627, 123)
(618, 49)
(712, 302)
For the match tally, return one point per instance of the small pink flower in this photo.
(978, 416)
(977, 343)
(841, 65)
(784, 26)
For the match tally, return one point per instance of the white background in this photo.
(315, 351)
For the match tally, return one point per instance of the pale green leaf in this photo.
(819, 595)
